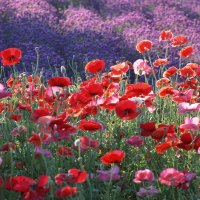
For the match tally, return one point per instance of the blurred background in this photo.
(76, 31)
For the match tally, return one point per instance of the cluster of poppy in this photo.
(57, 104)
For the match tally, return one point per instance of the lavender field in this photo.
(81, 30)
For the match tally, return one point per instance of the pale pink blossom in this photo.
(187, 107)
(141, 67)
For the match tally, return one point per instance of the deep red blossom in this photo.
(166, 35)
(137, 89)
(10, 56)
(64, 151)
(170, 72)
(147, 128)
(126, 110)
(115, 156)
(59, 81)
(76, 176)
(95, 66)
(66, 191)
(39, 112)
(90, 125)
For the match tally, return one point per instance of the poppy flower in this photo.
(94, 89)
(66, 191)
(10, 56)
(144, 46)
(39, 112)
(160, 61)
(76, 176)
(179, 40)
(191, 124)
(162, 82)
(135, 141)
(90, 125)
(189, 176)
(86, 142)
(95, 66)
(171, 176)
(187, 138)
(170, 72)
(141, 67)
(115, 156)
(161, 148)
(137, 89)
(126, 110)
(166, 35)
(147, 128)
(144, 175)
(187, 71)
(35, 139)
(3, 92)
(183, 96)
(120, 68)
(188, 107)
(164, 91)
(59, 81)
(64, 151)
(186, 52)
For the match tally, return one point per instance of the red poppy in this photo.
(186, 52)
(115, 156)
(59, 81)
(163, 82)
(126, 110)
(160, 62)
(64, 151)
(147, 128)
(86, 142)
(161, 148)
(19, 183)
(166, 35)
(35, 139)
(120, 68)
(66, 191)
(187, 138)
(76, 176)
(95, 66)
(90, 125)
(94, 89)
(39, 112)
(144, 46)
(170, 72)
(164, 91)
(187, 71)
(137, 89)
(179, 40)
(10, 56)
(8, 146)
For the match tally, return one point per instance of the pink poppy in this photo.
(191, 124)
(171, 176)
(144, 175)
(187, 107)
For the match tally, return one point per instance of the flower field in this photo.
(99, 99)
(105, 137)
